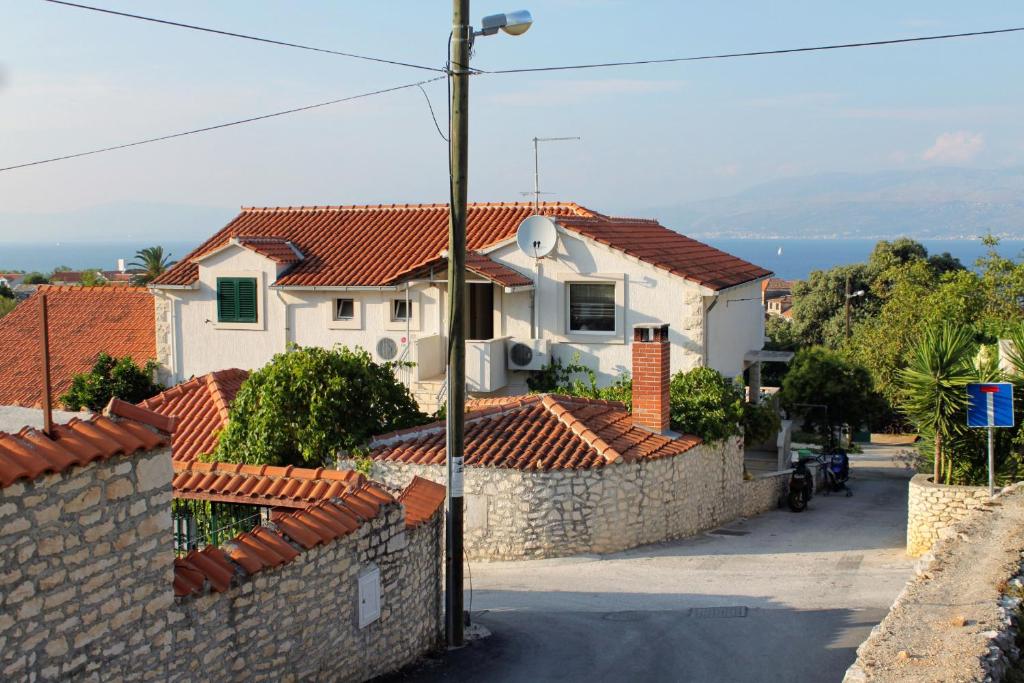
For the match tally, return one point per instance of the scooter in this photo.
(801, 486)
(837, 473)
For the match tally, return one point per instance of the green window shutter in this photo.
(236, 300)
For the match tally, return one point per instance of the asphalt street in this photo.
(780, 597)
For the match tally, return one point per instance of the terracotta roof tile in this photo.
(378, 245)
(290, 487)
(273, 248)
(30, 453)
(201, 406)
(83, 322)
(538, 432)
(422, 499)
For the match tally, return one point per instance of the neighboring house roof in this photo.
(83, 322)
(30, 453)
(379, 245)
(481, 264)
(320, 523)
(538, 432)
(201, 406)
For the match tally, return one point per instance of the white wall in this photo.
(646, 295)
(735, 326)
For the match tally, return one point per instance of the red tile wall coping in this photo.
(537, 432)
(421, 498)
(291, 487)
(380, 245)
(201, 406)
(31, 453)
(292, 533)
(83, 322)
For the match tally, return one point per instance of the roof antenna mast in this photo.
(536, 168)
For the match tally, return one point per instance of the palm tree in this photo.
(152, 261)
(934, 391)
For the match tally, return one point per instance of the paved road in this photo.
(781, 597)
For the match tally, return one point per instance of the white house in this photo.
(375, 277)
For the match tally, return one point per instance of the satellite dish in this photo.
(536, 236)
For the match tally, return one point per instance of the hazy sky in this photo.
(72, 80)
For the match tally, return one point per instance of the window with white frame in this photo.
(591, 307)
(401, 310)
(344, 309)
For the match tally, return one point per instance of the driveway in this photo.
(781, 597)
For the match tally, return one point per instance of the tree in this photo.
(934, 386)
(6, 292)
(819, 304)
(152, 261)
(829, 389)
(7, 305)
(308, 404)
(111, 377)
(705, 403)
(35, 278)
(91, 278)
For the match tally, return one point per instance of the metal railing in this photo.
(198, 523)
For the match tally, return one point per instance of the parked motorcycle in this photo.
(837, 472)
(801, 486)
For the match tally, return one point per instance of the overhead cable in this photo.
(221, 125)
(232, 34)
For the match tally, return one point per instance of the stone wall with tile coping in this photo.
(86, 590)
(514, 514)
(932, 509)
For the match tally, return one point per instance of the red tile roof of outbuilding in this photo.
(379, 245)
(201, 405)
(538, 432)
(83, 322)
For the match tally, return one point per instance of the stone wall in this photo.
(932, 509)
(512, 514)
(164, 339)
(86, 591)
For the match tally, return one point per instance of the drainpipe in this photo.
(280, 297)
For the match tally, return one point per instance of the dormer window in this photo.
(236, 300)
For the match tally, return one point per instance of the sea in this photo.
(792, 259)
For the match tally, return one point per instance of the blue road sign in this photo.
(990, 405)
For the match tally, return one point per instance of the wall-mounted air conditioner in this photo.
(528, 354)
(387, 348)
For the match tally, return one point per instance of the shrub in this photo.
(576, 379)
(111, 377)
(705, 403)
(35, 279)
(760, 422)
(308, 404)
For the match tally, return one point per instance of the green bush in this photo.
(7, 305)
(111, 377)
(760, 422)
(36, 279)
(576, 379)
(705, 403)
(828, 389)
(308, 404)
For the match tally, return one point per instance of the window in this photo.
(400, 310)
(591, 307)
(344, 309)
(236, 299)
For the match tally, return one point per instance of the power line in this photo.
(232, 34)
(432, 114)
(759, 53)
(221, 125)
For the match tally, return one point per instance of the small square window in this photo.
(400, 310)
(591, 307)
(344, 309)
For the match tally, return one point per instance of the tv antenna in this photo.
(536, 168)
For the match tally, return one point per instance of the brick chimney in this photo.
(650, 377)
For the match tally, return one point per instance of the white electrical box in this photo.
(369, 596)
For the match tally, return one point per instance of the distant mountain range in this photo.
(928, 204)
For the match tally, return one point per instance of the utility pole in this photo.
(848, 297)
(461, 42)
(44, 335)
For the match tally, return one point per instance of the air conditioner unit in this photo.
(528, 354)
(387, 348)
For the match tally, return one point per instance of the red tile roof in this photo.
(481, 264)
(538, 432)
(379, 245)
(30, 452)
(201, 405)
(421, 498)
(83, 322)
(275, 486)
(293, 532)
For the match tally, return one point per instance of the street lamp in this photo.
(849, 297)
(513, 23)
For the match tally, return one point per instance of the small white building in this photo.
(375, 277)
